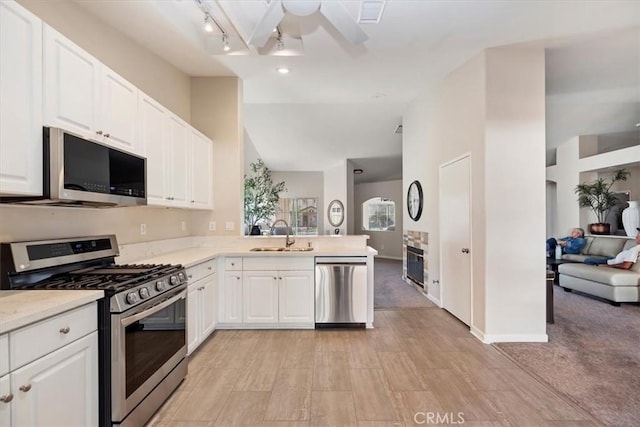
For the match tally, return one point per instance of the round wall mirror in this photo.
(335, 213)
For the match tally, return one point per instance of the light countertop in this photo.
(192, 256)
(20, 308)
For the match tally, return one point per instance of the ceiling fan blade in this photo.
(269, 21)
(343, 22)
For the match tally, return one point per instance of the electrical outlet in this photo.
(212, 226)
(143, 229)
(381, 247)
(230, 226)
(183, 225)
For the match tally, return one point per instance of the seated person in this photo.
(624, 259)
(572, 244)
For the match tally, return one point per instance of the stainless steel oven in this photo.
(148, 346)
(141, 319)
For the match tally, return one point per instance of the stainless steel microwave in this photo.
(80, 172)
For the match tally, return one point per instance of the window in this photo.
(379, 214)
(301, 214)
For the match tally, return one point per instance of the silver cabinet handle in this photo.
(280, 278)
(189, 276)
(6, 398)
(107, 135)
(65, 330)
(465, 250)
(209, 268)
(25, 387)
(193, 201)
(99, 132)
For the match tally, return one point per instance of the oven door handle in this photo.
(153, 309)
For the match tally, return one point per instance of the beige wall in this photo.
(216, 111)
(150, 73)
(491, 108)
(387, 243)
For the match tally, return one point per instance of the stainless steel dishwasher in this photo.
(341, 291)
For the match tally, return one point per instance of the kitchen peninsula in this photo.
(232, 286)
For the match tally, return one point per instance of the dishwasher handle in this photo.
(341, 260)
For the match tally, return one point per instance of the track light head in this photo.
(208, 24)
(225, 43)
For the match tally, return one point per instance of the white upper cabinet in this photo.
(201, 170)
(83, 96)
(119, 112)
(20, 101)
(152, 122)
(177, 167)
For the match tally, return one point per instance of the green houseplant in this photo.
(598, 197)
(261, 195)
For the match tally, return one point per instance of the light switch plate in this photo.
(212, 226)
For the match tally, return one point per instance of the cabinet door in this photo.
(193, 314)
(152, 138)
(296, 297)
(21, 101)
(260, 294)
(178, 166)
(208, 307)
(201, 171)
(5, 407)
(231, 297)
(119, 112)
(71, 85)
(60, 388)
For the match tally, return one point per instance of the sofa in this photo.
(613, 284)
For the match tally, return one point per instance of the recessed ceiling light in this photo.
(283, 70)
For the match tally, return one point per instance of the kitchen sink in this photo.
(278, 249)
(267, 249)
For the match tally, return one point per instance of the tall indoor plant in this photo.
(598, 197)
(261, 196)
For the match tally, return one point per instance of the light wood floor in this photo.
(418, 367)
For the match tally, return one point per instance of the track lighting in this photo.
(208, 25)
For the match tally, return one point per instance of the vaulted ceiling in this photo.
(344, 101)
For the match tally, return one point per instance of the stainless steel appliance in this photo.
(141, 323)
(341, 291)
(80, 172)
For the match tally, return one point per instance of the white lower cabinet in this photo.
(53, 372)
(296, 297)
(230, 294)
(258, 296)
(59, 389)
(201, 303)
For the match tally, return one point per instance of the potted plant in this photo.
(261, 196)
(598, 197)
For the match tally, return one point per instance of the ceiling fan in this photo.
(332, 10)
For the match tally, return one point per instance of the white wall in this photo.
(387, 243)
(492, 107)
(304, 184)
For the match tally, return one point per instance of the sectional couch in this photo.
(613, 284)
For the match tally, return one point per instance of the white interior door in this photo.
(455, 238)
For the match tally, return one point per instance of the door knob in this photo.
(465, 250)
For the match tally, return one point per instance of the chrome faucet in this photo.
(288, 242)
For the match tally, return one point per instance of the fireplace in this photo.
(415, 265)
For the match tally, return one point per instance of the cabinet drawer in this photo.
(233, 263)
(201, 270)
(4, 354)
(278, 263)
(34, 341)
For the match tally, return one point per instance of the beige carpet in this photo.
(592, 357)
(390, 291)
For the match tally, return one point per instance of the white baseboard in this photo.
(494, 338)
(434, 300)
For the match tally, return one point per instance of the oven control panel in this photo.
(137, 295)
